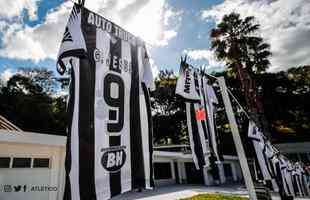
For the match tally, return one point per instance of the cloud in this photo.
(154, 67)
(204, 54)
(6, 75)
(143, 18)
(14, 8)
(20, 41)
(284, 24)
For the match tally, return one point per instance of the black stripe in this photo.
(196, 138)
(255, 139)
(217, 134)
(294, 185)
(150, 125)
(301, 185)
(70, 109)
(176, 170)
(115, 177)
(206, 124)
(86, 115)
(136, 150)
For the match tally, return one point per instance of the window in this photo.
(5, 162)
(41, 163)
(162, 171)
(21, 162)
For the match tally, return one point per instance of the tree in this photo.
(27, 100)
(235, 42)
(169, 116)
(42, 77)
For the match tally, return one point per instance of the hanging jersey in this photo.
(187, 84)
(211, 106)
(286, 180)
(256, 136)
(268, 153)
(109, 149)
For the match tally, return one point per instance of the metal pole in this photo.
(236, 136)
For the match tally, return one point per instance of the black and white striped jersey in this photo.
(258, 141)
(201, 101)
(109, 148)
(189, 86)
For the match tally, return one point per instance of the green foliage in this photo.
(26, 100)
(215, 197)
(169, 116)
(287, 103)
(235, 42)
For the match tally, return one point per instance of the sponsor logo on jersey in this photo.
(113, 158)
(102, 23)
(187, 84)
(67, 36)
(200, 114)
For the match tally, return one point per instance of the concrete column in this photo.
(180, 172)
(234, 171)
(172, 170)
(208, 177)
(221, 172)
(183, 177)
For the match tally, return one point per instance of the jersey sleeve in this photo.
(73, 43)
(211, 94)
(148, 77)
(254, 133)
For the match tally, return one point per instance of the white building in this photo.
(174, 165)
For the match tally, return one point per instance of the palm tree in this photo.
(236, 42)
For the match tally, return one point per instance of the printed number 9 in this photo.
(116, 102)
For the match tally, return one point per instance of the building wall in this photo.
(296, 151)
(34, 179)
(160, 157)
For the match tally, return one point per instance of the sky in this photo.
(31, 30)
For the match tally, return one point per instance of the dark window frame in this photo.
(45, 165)
(19, 163)
(162, 171)
(2, 165)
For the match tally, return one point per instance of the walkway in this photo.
(175, 192)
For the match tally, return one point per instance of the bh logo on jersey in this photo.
(113, 159)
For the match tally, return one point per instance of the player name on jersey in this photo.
(109, 148)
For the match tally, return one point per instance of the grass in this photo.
(215, 197)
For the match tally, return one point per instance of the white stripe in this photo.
(190, 133)
(74, 173)
(102, 178)
(144, 126)
(125, 135)
(209, 94)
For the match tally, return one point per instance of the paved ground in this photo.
(176, 192)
